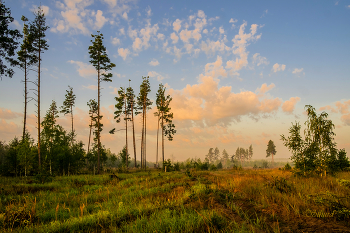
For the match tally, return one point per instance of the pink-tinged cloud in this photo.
(207, 102)
(264, 88)
(84, 69)
(345, 119)
(342, 108)
(8, 114)
(329, 108)
(289, 105)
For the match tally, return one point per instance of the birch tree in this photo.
(102, 64)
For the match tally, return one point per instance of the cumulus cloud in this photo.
(264, 88)
(289, 105)
(123, 53)
(341, 107)
(85, 70)
(145, 34)
(215, 69)
(211, 47)
(74, 17)
(221, 30)
(154, 74)
(125, 16)
(115, 41)
(154, 62)
(100, 20)
(177, 25)
(174, 37)
(239, 48)
(16, 25)
(232, 22)
(8, 114)
(259, 60)
(278, 67)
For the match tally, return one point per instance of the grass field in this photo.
(264, 200)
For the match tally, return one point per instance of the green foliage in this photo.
(219, 166)
(271, 149)
(265, 164)
(8, 41)
(125, 159)
(317, 153)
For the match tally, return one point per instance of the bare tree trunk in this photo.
(39, 107)
(145, 158)
(89, 137)
(157, 140)
(71, 112)
(98, 120)
(163, 137)
(133, 129)
(142, 138)
(25, 99)
(126, 136)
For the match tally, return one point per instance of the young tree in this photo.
(271, 150)
(210, 156)
(26, 58)
(67, 107)
(37, 31)
(49, 132)
(250, 152)
(8, 43)
(144, 103)
(225, 158)
(102, 64)
(317, 152)
(123, 107)
(93, 116)
(216, 154)
(164, 116)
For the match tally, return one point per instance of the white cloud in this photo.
(264, 88)
(154, 62)
(221, 30)
(148, 11)
(213, 19)
(123, 53)
(177, 25)
(145, 34)
(211, 47)
(125, 16)
(240, 43)
(298, 71)
(174, 37)
(16, 25)
(215, 69)
(154, 74)
(100, 20)
(122, 31)
(46, 9)
(115, 41)
(160, 36)
(205, 31)
(278, 67)
(259, 60)
(233, 21)
(91, 87)
(289, 105)
(85, 70)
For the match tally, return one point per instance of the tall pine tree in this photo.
(67, 107)
(37, 31)
(102, 64)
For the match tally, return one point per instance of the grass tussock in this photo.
(269, 200)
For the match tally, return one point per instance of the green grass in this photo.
(223, 201)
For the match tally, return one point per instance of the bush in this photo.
(287, 167)
(219, 166)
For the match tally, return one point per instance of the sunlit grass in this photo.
(222, 201)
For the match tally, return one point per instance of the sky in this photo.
(239, 72)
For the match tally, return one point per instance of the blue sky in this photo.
(239, 72)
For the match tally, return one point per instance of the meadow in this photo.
(247, 200)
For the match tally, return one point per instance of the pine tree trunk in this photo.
(89, 137)
(98, 120)
(39, 109)
(157, 139)
(163, 137)
(133, 129)
(143, 121)
(126, 136)
(145, 158)
(71, 112)
(25, 99)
